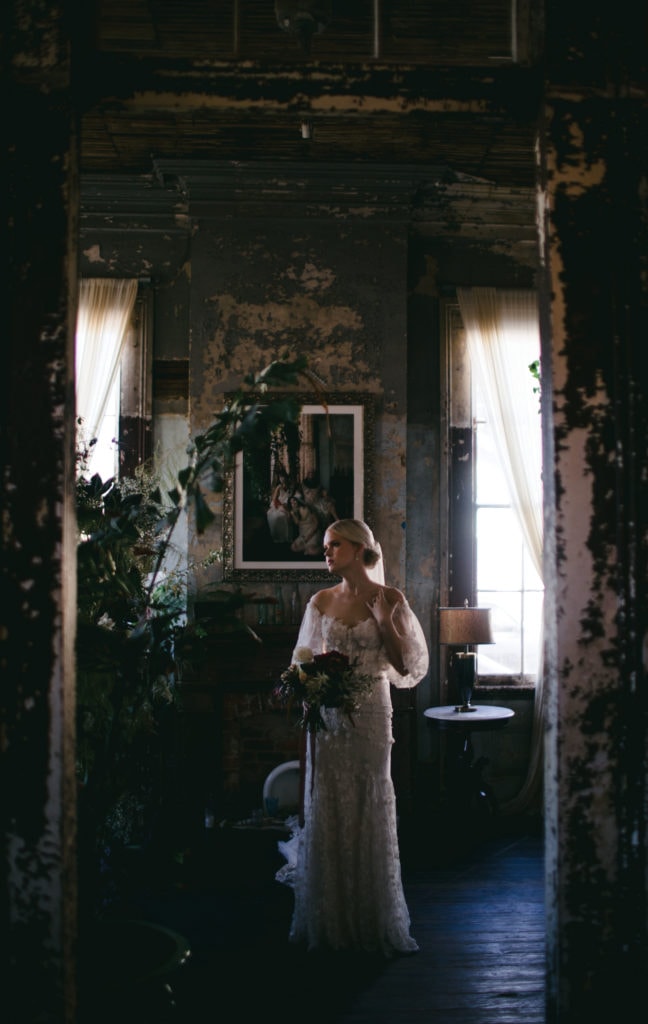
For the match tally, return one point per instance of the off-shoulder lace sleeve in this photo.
(310, 631)
(415, 653)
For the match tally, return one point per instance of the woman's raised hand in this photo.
(379, 606)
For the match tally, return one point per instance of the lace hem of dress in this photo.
(396, 941)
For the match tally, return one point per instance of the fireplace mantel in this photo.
(230, 734)
(240, 659)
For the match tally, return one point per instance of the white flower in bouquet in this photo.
(303, 655)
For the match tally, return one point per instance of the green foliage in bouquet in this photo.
(316, 681)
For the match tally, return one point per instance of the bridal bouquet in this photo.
(317, 681)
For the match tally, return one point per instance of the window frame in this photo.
(135, 434)
(458, 569)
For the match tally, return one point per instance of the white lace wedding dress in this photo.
(344, 863)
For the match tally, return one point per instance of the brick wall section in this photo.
(256, 738)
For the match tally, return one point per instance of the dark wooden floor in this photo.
(477, 909)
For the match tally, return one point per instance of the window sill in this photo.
(524, 690)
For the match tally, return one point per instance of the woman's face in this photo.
(338, 551)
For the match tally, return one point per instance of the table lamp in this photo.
(464, 627)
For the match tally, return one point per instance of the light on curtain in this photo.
(105, 310)
(503, 338)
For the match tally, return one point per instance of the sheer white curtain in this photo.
(105, 309)
(503, 338)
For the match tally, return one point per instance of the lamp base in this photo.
(464, 670)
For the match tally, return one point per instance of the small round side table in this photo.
(464, 781)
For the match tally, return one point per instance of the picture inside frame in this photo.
(278, 523)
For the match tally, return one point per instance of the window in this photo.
(505, 577)
(103, 459)
(113, 374)
(493, 551)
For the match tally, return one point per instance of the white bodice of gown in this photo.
(363, 646)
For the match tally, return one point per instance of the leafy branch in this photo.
(243, 426)
(131, 620)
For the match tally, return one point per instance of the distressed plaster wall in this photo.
(336, 292)
(38, 915)
(596, 555)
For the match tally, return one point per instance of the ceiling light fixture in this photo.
(303, 18)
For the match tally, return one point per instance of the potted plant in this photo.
(133, 631)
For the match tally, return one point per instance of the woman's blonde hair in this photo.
(357, 532)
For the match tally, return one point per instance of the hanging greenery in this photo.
(132, 631)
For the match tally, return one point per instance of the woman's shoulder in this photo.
(322, 599)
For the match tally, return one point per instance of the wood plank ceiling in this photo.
(449, 83)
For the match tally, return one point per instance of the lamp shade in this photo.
(465, 626)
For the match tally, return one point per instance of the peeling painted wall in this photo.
(334, 292)
(597, 570)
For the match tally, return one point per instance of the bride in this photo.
(344, 862)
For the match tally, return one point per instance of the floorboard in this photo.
(477, 913)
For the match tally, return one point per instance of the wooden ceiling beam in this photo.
(334, 90)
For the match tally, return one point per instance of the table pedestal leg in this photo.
(469, 792)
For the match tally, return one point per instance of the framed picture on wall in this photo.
(273, 526)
